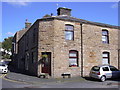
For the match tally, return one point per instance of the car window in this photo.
(2, 65)
(113, 68)
(105, 69)
(96, 68)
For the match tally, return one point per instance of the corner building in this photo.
(65, 44)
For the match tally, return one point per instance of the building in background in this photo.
(65, 44)
(15, 40)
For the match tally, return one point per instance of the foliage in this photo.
(47, 15)
(0, 44)
(45, 56)
(7, 44)
(6, 56)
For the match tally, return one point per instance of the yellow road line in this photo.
(2, 75)
(12, 80)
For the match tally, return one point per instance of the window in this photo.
(105, 37)
(34, 31)
(73, 58)
(113, 68)
(105, 58)
(96, 68)
(33, 57)
(69, 32)
(105, 69)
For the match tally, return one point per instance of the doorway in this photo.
(46, 62)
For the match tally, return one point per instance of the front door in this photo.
(46, 62)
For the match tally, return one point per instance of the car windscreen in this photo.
(113, 68)
(96, 68)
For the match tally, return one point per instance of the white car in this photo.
(103, 72)
(3, 68)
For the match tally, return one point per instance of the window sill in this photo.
(73, 66)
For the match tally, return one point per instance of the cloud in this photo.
(10, 33)
(19, 2)
(114, 5)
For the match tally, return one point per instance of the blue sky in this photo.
(15, 14)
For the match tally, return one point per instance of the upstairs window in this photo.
(69, 32)
(73, 58)
(105, 36)
(34, 38)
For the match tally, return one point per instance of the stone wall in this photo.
(62, 48)
(45, 41)
(93, 46)
(26, 46)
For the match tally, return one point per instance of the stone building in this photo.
(65, 44)
(15, 40)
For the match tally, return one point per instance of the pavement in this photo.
(20, 77)
(35, 80)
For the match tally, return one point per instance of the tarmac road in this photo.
(7, 83)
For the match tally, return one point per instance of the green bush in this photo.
(6, 56)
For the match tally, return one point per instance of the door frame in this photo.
(49, 63)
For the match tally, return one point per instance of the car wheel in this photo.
(103, 78)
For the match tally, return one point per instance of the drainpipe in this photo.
(81, 51)
(118, 59)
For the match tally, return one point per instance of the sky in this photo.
(14, 14)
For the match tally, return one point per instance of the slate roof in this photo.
(73, 19)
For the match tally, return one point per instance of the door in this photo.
(107, 72)
(115, 72)
(46, 62)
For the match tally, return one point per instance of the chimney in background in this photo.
(27, 24)
(63, 11)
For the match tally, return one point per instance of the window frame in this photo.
(73, 57)
(108, 56)
(66, 30)
(106, 36)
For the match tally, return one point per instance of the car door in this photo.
(115, 72)
(107, 72)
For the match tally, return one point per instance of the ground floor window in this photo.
(73, 58)
(33, 57)
(105, 56)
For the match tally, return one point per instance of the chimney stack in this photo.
(63, 11)
(27, 24)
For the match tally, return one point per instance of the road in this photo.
(7, 83)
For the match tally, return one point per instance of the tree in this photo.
(0, 44)
(7, 44)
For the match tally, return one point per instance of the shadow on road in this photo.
(16, 70)
(91, 79)
(96, 80)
